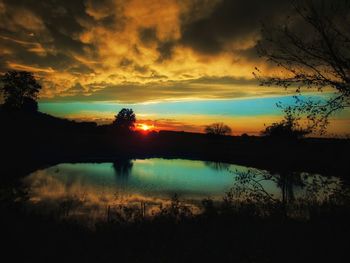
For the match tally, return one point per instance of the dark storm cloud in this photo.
(77, 89)
(64, 21)
(80, 68)
(64, 41)
(132, 65)
(56, 31)
(229, 21)
(148, 35)
(165, 50)
(59, 17)
(141, 69)
(58, 60)
(48, 35)
(125, 62)
(106, 13)
(149, 44)
(145, 71)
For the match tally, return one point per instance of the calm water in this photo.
(92, 187)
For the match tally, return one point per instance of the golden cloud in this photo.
(134, 50)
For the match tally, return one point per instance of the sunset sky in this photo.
(180, 64)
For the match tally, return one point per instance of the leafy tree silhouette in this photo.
(125, 120)
(20, 90)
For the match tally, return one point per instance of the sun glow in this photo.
(145, 127)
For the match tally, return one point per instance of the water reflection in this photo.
(218, 166)
(123, 167)
(294, 187)
(94, 189)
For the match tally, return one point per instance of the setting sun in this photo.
(144, 127)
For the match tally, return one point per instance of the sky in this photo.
(180, 64)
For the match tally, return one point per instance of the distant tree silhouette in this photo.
(217, 128)
(312, 49)
(125, 120)
(288, 128)
(20, 90)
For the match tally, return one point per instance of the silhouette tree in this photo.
(125, 120)
(217, 128)
(288, 128)
(20, 90)
(313, 51)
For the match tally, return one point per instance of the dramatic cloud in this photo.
(137, 50)
(231, 25)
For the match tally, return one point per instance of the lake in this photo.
(93, 188)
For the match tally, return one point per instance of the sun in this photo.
(144, 127)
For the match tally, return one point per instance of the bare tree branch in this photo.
(313, 51)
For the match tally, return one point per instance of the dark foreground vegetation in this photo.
(230, 232)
